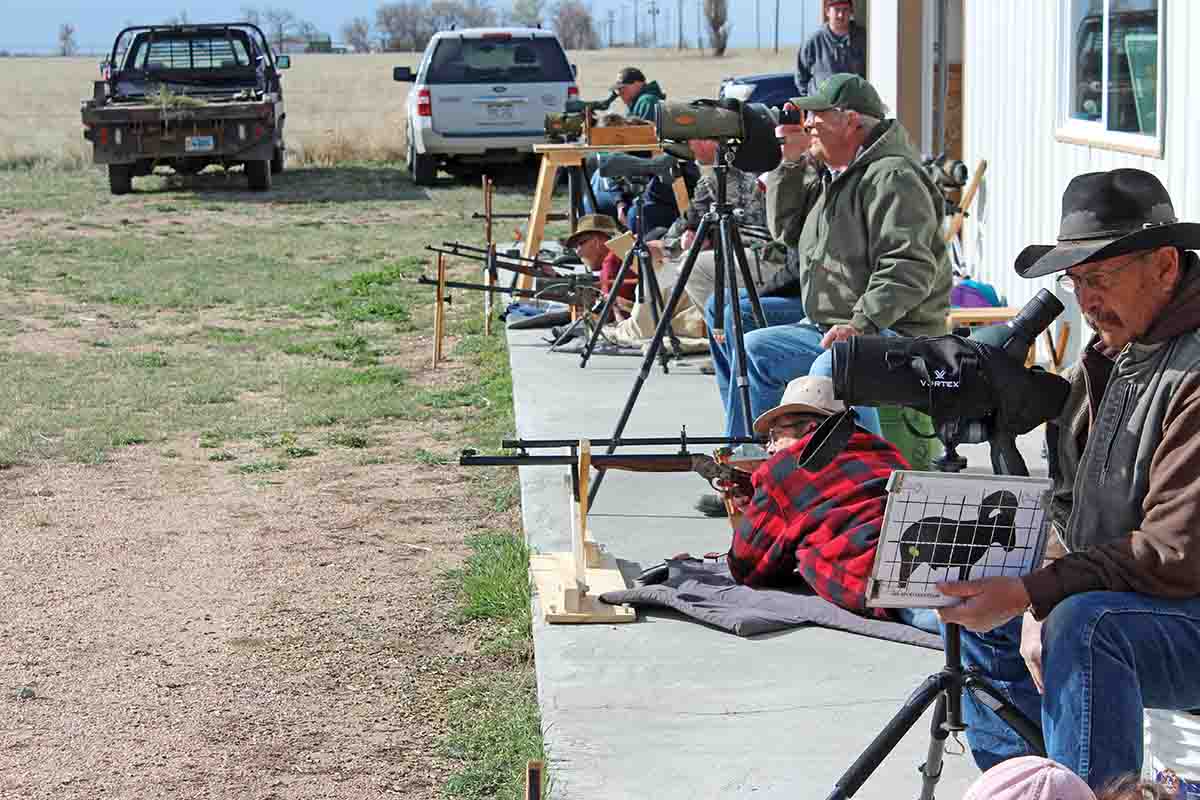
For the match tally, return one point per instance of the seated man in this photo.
(866, 221)
(590, 242)
(779, 535)
(1111, 622)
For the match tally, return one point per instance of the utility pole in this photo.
(757, 27)
(699, 27)
(654, 12)
(681, 42)
(776, 27)
(637, 42)
(612, 19)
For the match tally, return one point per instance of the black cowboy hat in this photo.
(1106, 214)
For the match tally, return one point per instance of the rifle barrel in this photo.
(533, 444)
(633, 462)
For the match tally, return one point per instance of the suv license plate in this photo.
(500, 111)
(199, 144)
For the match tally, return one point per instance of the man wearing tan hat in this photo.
(822, 526)
(590, 242)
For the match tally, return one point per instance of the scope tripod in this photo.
(944, 691)
(730, 260)
(647, 283)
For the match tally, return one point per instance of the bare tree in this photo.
(716, 12)
(403, 25)
(179, 19)
(281, 25)
(478, 14)
(357, 33)
(575, 27)
(66, 40)
(251, 14)
(527, 13)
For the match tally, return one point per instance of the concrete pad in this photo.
(666, 707)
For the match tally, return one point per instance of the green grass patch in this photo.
(355, 441)
(222, 456)
(299, 452)
(260, 467)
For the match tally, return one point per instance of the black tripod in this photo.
(944, 691)
(721, 226)
(647, 283)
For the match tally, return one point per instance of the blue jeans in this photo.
(778, 311)
(1105, 657)
(790, 347)
(607, 194)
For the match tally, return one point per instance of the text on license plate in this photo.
(500, 111)
(199, 144)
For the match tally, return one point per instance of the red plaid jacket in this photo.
(823, 526)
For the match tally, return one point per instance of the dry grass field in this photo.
(340, 107)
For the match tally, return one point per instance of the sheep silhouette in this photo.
(941, 542)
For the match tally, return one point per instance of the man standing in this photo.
(1111, 622)
(838, 46)
(640, 97)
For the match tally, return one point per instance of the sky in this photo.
(33, 26)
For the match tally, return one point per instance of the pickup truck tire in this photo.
(422, 168)
(277, 161)
(120, 178)
(258, 175)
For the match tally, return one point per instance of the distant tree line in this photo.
(410, 24)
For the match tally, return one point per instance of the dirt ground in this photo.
(175, 630)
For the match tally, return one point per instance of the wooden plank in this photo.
(970, 317)
(623, 134)
(682, 201)
(439, 311)
(968, 197)
(488, 193)
(581, 148)
(552, 571)
(536, 228)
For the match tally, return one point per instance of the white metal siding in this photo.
(1010, 86)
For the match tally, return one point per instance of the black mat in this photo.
(705, 591)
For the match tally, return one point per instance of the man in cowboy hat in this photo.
(840, 45)
(1111, 622)
(590, 243)
(820, 527)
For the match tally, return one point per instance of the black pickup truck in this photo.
(186, 96)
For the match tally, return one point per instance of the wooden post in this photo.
(533, 780)
(968, 197)
(439, 310)
(488, 190)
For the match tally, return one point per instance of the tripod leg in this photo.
(719, 283)
(931, 770)
(651, 351)
(735, 304)
(991, 697)
(908, 715)
(743, 263)
(606, 311)
(650, 283)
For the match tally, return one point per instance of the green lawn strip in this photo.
(495, 722)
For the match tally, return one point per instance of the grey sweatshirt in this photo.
(825, 54)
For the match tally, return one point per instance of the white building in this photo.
(1042, 100)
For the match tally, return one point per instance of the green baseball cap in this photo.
(844, 90)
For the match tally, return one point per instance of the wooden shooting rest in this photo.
(569, 584)
(570, 156)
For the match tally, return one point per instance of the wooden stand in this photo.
(569, 584)
(439, 310)
(554, 158)
(968, 197)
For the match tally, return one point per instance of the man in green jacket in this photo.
(866, 221)
(640, 97)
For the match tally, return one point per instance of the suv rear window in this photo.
(515, 60)
(189, 53)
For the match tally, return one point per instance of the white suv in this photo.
(482, 95)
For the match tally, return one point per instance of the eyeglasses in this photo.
(776, 431)
(1098, 282)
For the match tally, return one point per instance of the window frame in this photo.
(1095, 133)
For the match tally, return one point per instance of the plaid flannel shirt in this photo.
(823, 526)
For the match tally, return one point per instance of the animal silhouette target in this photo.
(940, 527)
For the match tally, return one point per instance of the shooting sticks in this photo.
(439, 310)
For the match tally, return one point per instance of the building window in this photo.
(1112, 51)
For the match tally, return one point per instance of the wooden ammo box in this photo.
(622, 134)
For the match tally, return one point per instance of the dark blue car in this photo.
(769, 88)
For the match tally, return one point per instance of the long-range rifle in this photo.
(565, 291)
(717, 470)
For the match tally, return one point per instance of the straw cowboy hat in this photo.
(807, 395)
(1106, 214)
